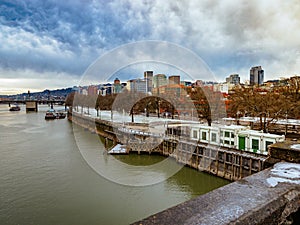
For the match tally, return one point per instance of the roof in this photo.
(260, 133)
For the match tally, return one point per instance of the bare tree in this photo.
(269, 106)
(292, 93)
(209, 104)
(69, 99)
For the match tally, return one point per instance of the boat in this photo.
(15, 108)
(60, 115)
(50, 114)
(118, 150)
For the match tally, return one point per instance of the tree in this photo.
(70, 99)
(154, 104)
(269, 106)
(292, 92)
(209, 104)
(105, 103)
(125, 102)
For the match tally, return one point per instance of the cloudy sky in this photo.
(50, 44)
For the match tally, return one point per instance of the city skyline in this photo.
(49, 44)
(231, 80)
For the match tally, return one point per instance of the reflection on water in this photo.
(140, 160)
(45, 180)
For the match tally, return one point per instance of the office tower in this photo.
(148, 76)
(137, 85)
(175, 79)
(159, 80)
(256, 75)
(233, 79)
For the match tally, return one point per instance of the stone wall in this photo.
(261, 198)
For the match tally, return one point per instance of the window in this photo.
(203, 135)
(195, 134)
(267, 144)
(213, 137)
(232, 135)
(227, 134)
(255, 145)
(226, 142)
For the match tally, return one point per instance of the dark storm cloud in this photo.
(231, 36)
(64, 36)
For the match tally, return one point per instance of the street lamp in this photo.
(158, 108)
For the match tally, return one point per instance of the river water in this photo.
(45, 180)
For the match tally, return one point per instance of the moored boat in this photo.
(15, 108)
(60, 115)
(50, 114)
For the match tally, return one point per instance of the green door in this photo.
(241, 143)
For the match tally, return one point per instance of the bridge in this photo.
(32, 105)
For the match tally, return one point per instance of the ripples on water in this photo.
(45, 180)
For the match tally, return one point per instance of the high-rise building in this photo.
(175, 79)
(148, 76)
(137, 85)
(159, 80)
(233, 79)
(256, 75)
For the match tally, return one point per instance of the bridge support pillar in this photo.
(31, 106)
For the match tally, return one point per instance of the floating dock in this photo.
(118, 149)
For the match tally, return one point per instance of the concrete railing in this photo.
(271, 196)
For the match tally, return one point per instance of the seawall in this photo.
(259, 195)
(223, 162)
(252, 200)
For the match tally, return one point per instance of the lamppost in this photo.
(147, 109)
(158, 108)
(131, 112)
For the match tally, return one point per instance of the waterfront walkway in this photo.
(125, 118)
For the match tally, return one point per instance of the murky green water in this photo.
(45, 180)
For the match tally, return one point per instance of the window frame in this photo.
(195, 134)
(214, 137)
(204, 134)
(227, 134)
(252, 144)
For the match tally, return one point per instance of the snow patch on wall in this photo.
(296, 146)
(284, 172)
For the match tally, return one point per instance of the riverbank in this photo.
(152, 137)
(261, 198)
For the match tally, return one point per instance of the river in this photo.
(45, 180)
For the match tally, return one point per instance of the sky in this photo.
(50, 44)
